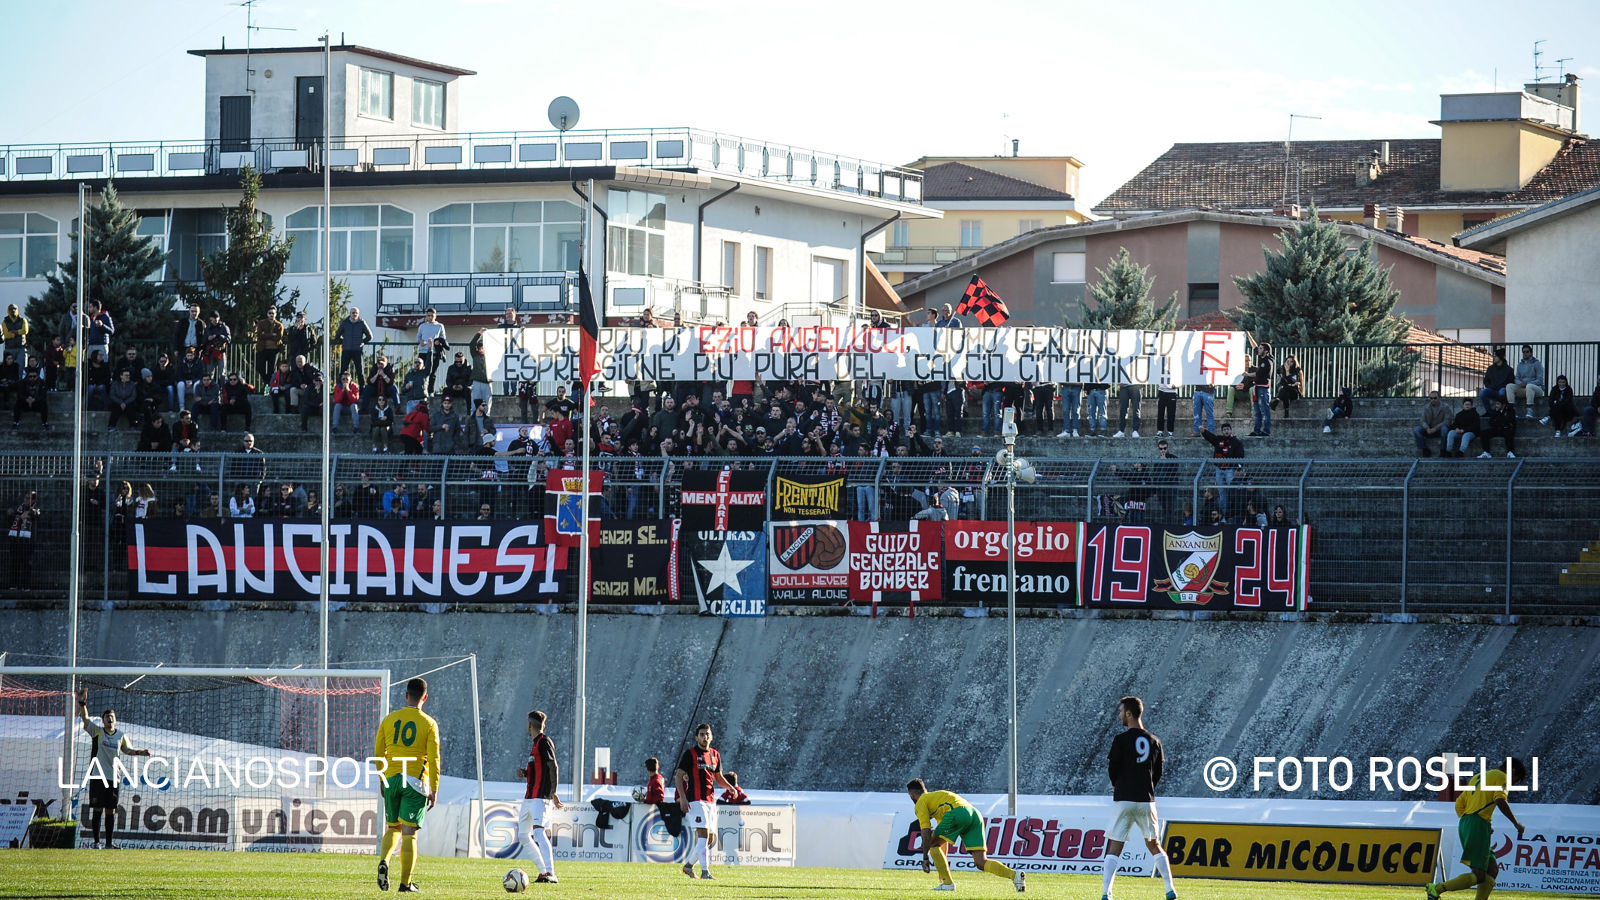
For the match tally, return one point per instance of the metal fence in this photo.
(1453, 369)
(1499, 536)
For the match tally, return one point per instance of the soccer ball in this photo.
(516, 881)
(639, 793)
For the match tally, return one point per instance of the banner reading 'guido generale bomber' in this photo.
(388, 560)
(858, 352)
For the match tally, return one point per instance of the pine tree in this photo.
(241, 280)
(120, 264)
(1122, 298)
(1316, 291)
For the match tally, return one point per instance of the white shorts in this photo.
(533, 814)
(702, 814)
(1129, 814)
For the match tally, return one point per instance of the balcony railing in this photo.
(676, 148)
(926, 256)
(528, 292)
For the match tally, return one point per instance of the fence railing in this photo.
(1500, 536)
(1453, 369)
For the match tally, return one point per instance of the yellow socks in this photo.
(941, 864)
(996, 867)
(1484, 888)
(1459, 883)
(408, 856)
(391, 837)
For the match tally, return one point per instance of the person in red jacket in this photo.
(655, 789)
(414, 429)
(236, 400)
(346, 400)
(734, 795)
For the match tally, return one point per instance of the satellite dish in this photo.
(564, 113)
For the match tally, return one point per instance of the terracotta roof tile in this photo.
(959, 181)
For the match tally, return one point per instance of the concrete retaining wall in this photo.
(851, 704)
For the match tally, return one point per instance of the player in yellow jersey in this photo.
(408, 744)
(1485, 793)
(957, 820)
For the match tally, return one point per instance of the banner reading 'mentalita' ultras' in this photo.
(858, 352)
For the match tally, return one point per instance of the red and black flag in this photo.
(589, 326)
(984, 304)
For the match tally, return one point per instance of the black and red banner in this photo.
(383, 560)
(976, 555)
(723, 500)
(1145, 566)
(637, 562)
(896, 564)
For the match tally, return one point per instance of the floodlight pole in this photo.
(75, 542)
(326, 496)
(580, 770)
(1009, 431)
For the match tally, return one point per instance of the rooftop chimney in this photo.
(1014, 144)
(1368, 170)
(1383, 153)
(1397, 219)
(1369, 215)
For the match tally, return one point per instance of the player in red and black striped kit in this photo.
(699, 773)
(542, 774)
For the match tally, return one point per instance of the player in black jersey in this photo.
(1135, 771)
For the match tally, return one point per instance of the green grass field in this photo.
(197, 875)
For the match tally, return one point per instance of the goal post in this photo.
(240, 758)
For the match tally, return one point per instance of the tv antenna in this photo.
(1290, 167)
(1538, 69)
(1561, 68)
(563, 115)
(250, 27)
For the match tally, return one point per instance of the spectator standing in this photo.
(1435, 418)
(1529, 382)
(1071, 393)
(1128, 397)
(1262, 374)
(1563, 408)
(55, 358)
(1343, 406)
(414, 429)
(24, 519)
(1463, 428)
(1044, 408)
(218, 340)
(190, 331)
(481, 386)
(445, 428)
(32, 397)
(14, 329)
(353, 335)
(1224, 446)
(1204, 405)
(1166, 401)
(347, 402)
(1502, 424)
(236, 401)
(1496, 379)
(432, 344)
(991, 399)
(268, 334)
(299, 338)
(98, 331)
(1096, 403)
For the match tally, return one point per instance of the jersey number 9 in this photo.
(1141, 745)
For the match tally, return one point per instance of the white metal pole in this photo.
(477, 749)
(579, 771)
(1011, 612)
(326, 496)
(75, 541)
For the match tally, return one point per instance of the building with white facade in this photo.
(686, 221)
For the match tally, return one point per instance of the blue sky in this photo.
(1113, 84)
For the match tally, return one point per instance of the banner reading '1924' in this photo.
(858, 352)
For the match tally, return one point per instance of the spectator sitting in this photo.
(97, 379)
(208, 400)
(285, 505)
(1435, 416)
(311, 400)
(1529, 382)
(1495, 380)
(32, 397)
(150, 393)
(1341, 409)
(346, 401)
(185, 439)
(382, 424)
(236, 401)
(1502, 424)
(305, 376)
(123, 400)
(190, 368)
(395, 501)
(414, 388)
(1590, 412)
(281, 387)
(1463, 428)
(458, 379)
(1289, 384)
(734, 795)
(1563, 408)
(156, 436)
(241, 505)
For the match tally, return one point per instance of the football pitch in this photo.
(199, 875)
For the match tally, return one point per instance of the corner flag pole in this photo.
(580, 770)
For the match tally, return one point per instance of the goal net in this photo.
(239, 759)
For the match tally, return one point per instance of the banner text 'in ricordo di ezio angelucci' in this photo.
(859, 352)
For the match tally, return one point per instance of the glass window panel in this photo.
(11, 257)
(41, 256)
(488, 249)
(449, 250)
(560, 248)
(1068, 268)
(636, 252)
(394, 251)
(483, 213)
(341, 251)
(656, 211)
(210, 221)
(525, 211)
(363, 251)
(562, 211)
(355, 216)
(310, 217)
(211, 243)
(637, 205)
(617, 202)
(38, 224)
(454, 214)
(152, 225)
(657, 263)
(394, 215)
(303, 255)
(763, 270)
(616, 248)
(11, 223)
(427, 103)
(522, 253)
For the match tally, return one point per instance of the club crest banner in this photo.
(809, 562)
(730, 572)
(1260, 569)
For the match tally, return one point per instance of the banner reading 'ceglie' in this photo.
(274, 559)
(858, 352)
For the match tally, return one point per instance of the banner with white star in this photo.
(729, 569)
